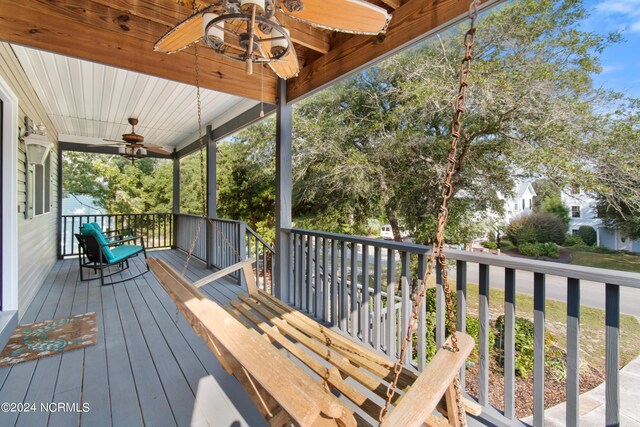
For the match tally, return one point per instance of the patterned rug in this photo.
(41, 339)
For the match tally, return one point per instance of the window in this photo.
(575, 211)
(530, 203)
(522, 204)
(515, 206)
(40, 176)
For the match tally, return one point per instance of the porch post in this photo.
(283, 194)
(176, 197)
(59, 200)
(211, 193)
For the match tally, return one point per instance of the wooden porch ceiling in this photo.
(121, 33)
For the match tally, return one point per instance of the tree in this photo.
(376, 144)
(554, 205)
(617, 170)
(117, 185)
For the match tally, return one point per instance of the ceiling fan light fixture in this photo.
(247, 5)
(122, 150)
(280, 44)
(213, 34)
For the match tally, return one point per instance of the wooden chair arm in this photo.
(415, 407)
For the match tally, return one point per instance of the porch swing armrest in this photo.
(415, 407)
(125, 240)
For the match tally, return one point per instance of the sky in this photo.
(621, 62)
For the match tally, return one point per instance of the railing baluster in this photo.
(344, 301)
(308, 305)
(334, 283)
(326, 290)
(303, 283)
(461, 309)
(391, 304)
(573, 351)
(538, 349)
(483, 351)
(364, 305)
(509, 342)
(406, 303)
(377, 297)
(441, 320)
(422, 318)
(354, 290)
(318, 281)
(612, 337)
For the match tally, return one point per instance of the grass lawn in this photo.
(592, 332)
(614, 260)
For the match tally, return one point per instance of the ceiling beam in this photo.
(414, 21)
(95, 32)
(305, 35)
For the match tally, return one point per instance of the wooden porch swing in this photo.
(257, 337)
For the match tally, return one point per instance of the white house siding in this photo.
(36, 236)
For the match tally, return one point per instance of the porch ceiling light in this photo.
(37, 148)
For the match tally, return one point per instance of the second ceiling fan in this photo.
(132, 145)
(249, 31)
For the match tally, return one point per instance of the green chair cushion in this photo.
(122, 252)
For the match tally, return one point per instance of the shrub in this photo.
(529, 249)
(573, 240)
(490, 245)
(588, 234)
(549, 250)
(539, 227)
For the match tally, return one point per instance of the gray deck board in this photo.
(148, 366)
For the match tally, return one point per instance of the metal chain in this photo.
(203, 181)
(437, 249)
(202, 167)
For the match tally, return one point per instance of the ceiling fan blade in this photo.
(119, 141)
(182, 35)
(157, 149)
(287, 67)
(348, 16)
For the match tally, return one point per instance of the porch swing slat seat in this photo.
(246, 338)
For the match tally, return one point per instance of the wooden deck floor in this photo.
(148, 368)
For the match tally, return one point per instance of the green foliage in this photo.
(537, 227)
(524, 343)
(545, 189)
(117, 185)
(588, 234)
(490, 245)
(573, 240)
(549, 250)
(553, 205)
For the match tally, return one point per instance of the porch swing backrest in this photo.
(279, 387)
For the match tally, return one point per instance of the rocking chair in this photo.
(98, 252)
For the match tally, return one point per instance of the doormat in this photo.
(41, 339)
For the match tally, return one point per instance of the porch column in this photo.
(176, 197)
(283, 194)
(59, 235)
(211, 192)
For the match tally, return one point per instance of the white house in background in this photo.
(583, 212)
(521, 202)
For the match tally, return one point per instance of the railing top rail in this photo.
(228, 221)
(601, 275)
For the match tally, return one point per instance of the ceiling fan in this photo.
(249, 31)
(132, 145)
